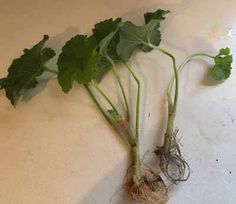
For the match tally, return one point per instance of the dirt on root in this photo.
(152, 189)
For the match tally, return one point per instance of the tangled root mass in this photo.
(172, 164)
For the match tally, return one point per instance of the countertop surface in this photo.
(56, 148)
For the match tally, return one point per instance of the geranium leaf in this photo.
(23, 72)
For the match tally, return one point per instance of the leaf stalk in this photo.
(95, 85)
(114, 69)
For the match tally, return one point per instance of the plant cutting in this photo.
(172, 163)
(86, 60)
(147, 38)
(118, 46)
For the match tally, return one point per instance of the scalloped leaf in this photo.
(23, 72)
(79, 61)
(223, 65)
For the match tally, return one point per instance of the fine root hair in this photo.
(172, 164)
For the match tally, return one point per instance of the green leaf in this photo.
(108, 46)
(223, 65)
(3, 83)
(107, 36)
(104, 28)
(155, 36)
(78, 62)
(132, 36)
(104, 67)
(158, 15)
(23, 72)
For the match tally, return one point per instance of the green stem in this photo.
(98, 105)
(170, 125)
(50, 70)
(172, 106)
(122, 133)
(186, 61)
(137, 177)
(137, 127)
(95, 84)
(114, 68)
(135, 147)
(176, 75)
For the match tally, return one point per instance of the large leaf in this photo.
(104, 28)
(132, 36)
(78, 62)
(23, 72)
(223, 65)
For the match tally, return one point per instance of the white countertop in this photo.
(57, 148)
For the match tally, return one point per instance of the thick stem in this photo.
(176, 78)
(172, 106)
(135, 148)
(94, 83)
(114, 68)
(170, 125)
(137, 177)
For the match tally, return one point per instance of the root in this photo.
(151, 190)
(172, 164)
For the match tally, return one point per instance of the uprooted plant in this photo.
(172, 163)
(147, 38)
(86, 60)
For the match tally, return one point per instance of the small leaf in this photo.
(132, 36)
(158, 15)
(223, 65)
(23, 72)
(78, 62)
